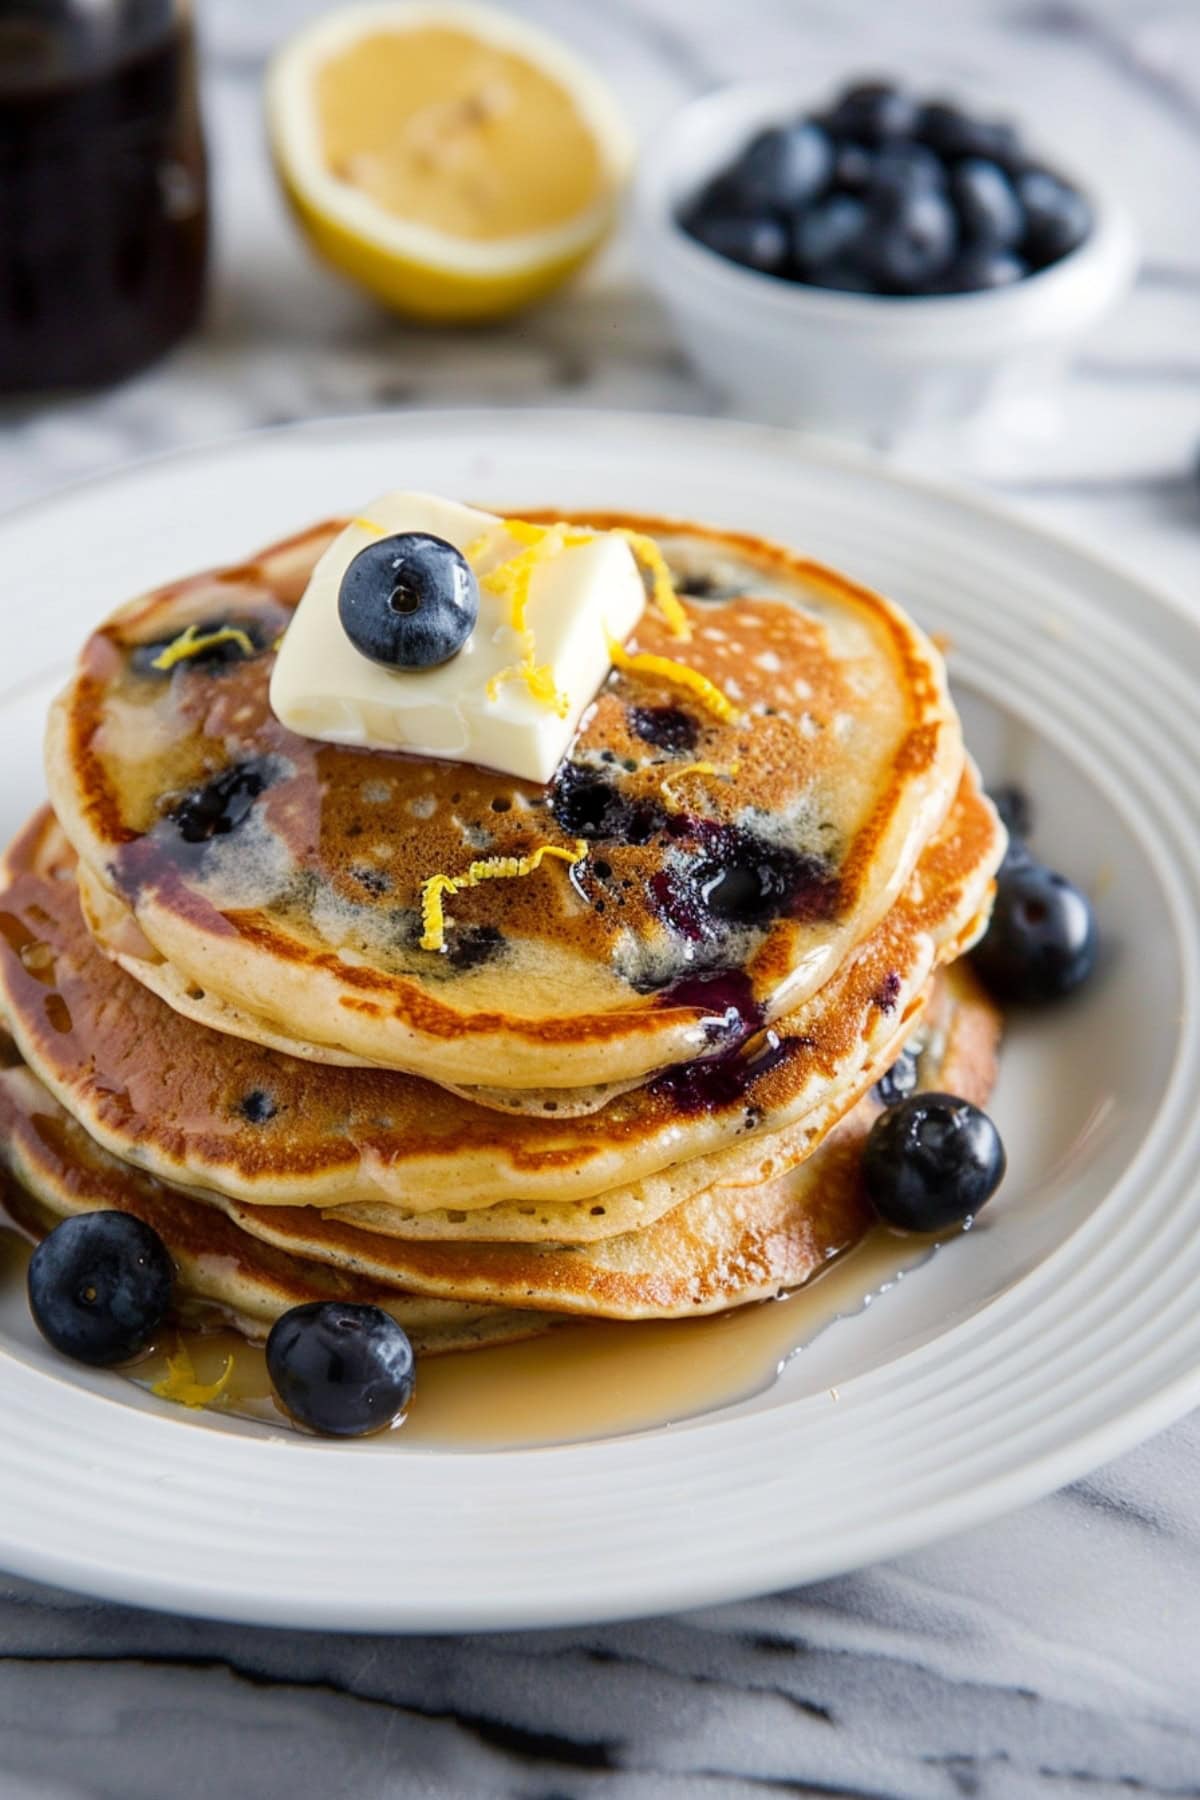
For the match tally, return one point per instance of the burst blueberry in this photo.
(409, 601)
(341, 1369)
(221, 805)
(100, 1286)
(932, 1161)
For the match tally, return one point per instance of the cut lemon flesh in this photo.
(449, 158)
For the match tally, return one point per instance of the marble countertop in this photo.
(1054, 1653)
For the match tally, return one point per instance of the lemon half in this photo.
(453, 160)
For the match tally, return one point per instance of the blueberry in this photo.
(954, 133)
(1041, 942)
(1015, 808)
(827, 233)
(1016, 816)
(100, 1286)
(667, 727)
(341, 1369)
(409, 601)
(783, 167)
(745, 880)
(221, 805)
(258, 1107)
(932, 1161)
(873, 111)
(852, 166)
(757, 242)
(844, 277)
(988, 209)
(979, 268)
(911, 239)
(1057, 217)
(906, 167)
(586, 805)
(898, 1081)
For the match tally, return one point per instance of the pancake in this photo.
(201, 1109)
(283, 876)
(223, 1275)
(120, 937)
(725, 1247)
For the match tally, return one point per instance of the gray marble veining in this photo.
(1053, 1653)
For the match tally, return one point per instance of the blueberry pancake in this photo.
(726, 1246)
(202, 1109)
(224, 1275)
(743, 802)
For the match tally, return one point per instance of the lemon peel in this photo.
(512, 579)
(696, 768)
(180, 1384)
(193, 642)
(678, 674)
(493, 868)
(662, 587)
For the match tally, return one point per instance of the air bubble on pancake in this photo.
(423, 806)
(375, 793)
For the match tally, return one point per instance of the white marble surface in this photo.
(1055, 1653)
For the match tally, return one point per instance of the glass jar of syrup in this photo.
(103, 221)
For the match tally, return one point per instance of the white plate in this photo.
(1060, 1331)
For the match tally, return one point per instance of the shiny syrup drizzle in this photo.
(581, 1381)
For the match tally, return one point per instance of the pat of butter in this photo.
(579, 597)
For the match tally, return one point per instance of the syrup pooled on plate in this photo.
(584, 1381)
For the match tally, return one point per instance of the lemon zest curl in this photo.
(678, 675)
(180, 1383)
(492, 868)
(194, 642)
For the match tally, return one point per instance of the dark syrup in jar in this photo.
(103, 219)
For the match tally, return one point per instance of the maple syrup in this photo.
(103, 222)
(582, 1381)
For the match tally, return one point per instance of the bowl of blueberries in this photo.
(877, 266)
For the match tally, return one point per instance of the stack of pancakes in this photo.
(632, 1086)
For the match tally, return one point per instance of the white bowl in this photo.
(859, 365)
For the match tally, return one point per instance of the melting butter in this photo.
(586, 593)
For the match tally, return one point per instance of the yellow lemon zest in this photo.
(678, 674)
(663, 588)
(493, 868)
(180, 1384)
(696, 768)
(193, 642)
(370, 525)
(512, 580)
